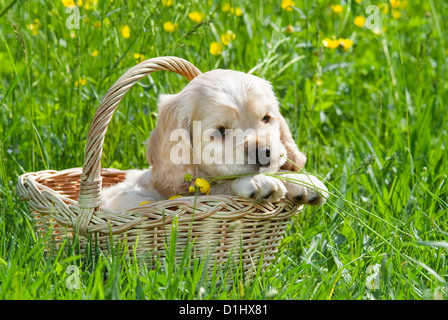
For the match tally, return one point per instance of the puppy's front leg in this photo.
(304, 188)
(258, 187)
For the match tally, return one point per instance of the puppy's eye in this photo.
(266, 118)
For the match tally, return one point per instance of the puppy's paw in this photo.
(259, 187)
(305, 189)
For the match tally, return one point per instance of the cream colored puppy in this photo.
(223, 123)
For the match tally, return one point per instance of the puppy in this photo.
(224, 123)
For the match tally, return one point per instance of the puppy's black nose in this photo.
(263, 157)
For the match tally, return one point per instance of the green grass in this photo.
(371, 120)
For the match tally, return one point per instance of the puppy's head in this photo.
(222, 123)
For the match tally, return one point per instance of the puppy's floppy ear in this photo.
(292, 152)
(167, 173)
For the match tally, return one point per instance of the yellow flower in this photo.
(97, 24)
(144, 202)
(333, 44)
(175, 197)
(168, 26)
(330, 44)
(34, 28)
(396, 14)
(68, 3)
(337, 8)
(227, 37)
(167, 3)
(226, 7)
(238, 12)
(81, 82)
(359, 21)
(95, 53)
(395, 3)
(215, 48)
(196, 16)
(90, 4)
(358, 1)
(191, 189)
(289, 29)
(125, 31)
(139, 57)
(345, 44)
(287, 4)
(203, 185)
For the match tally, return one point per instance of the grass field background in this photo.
(370, 114)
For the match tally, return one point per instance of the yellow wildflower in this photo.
(167, 3)
(203, 185)
(95, 53)
(68, 3)
(359, 21)
(144, 202)
(139, 57)
(238, 12)
(396, 14)
(81, 82)
(215, 48)
(227, 37)
(168, 26)
(175, 197)
(226, 7)
(34, 28)
(345, 44)
(196, 16)
(287, 5)
(97, 24)
(395, 3)
(191, 189)
(358, 1)
(330, 44)
(337, 8)
(125, 31)
(289, 29)
(90, 4)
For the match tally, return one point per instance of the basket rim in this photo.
(47, 201)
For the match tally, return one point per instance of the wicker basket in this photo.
(67, 202)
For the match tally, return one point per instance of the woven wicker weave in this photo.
(67, 202)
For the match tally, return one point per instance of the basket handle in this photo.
(91, 183)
